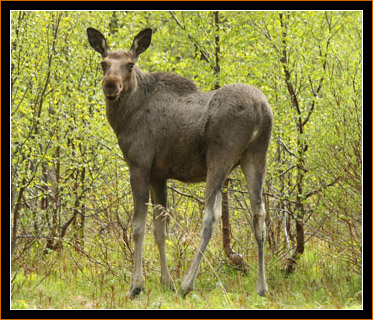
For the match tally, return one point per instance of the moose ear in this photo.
(141, 42)
(98, 42)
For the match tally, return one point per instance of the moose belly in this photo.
(180, 166)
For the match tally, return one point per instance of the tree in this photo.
(305, 49)
(69, 182)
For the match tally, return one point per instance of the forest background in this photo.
(71, 203)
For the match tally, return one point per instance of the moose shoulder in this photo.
(168, 129)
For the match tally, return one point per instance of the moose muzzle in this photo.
(112, 88)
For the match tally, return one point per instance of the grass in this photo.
(69, 280)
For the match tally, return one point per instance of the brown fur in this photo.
(168, 129)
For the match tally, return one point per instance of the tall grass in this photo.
(83, 279)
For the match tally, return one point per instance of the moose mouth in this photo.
(112, 95)
(111, 98)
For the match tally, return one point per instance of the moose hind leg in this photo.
(254, 170)
(213, 203)
(159, 199)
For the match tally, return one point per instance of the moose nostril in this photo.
(111, 88)
(110, 84)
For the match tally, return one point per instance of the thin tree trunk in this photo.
(235, 257)
(16, 215)
(217, 50)
(302, 148)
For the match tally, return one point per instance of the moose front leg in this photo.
(140, 191)
(159, 200)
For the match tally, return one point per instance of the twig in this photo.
(186, 194)
(324, 186)
(203, 53)
(286, 148)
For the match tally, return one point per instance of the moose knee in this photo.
(138, 232)
(208, 226)
(159, 232)
(259, 223)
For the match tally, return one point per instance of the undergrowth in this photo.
(71, 279)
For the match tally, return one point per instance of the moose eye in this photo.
(103, 65)
(130, 66)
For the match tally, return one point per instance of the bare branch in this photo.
(185, 194)
(323, 187)
(286, 148)
(203, 52)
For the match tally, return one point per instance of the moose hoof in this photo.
(183, 291)
(262, 290)
(133, 293)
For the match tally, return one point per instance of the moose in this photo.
(168, 129)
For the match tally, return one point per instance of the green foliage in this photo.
(320, 283)
(71, 198)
